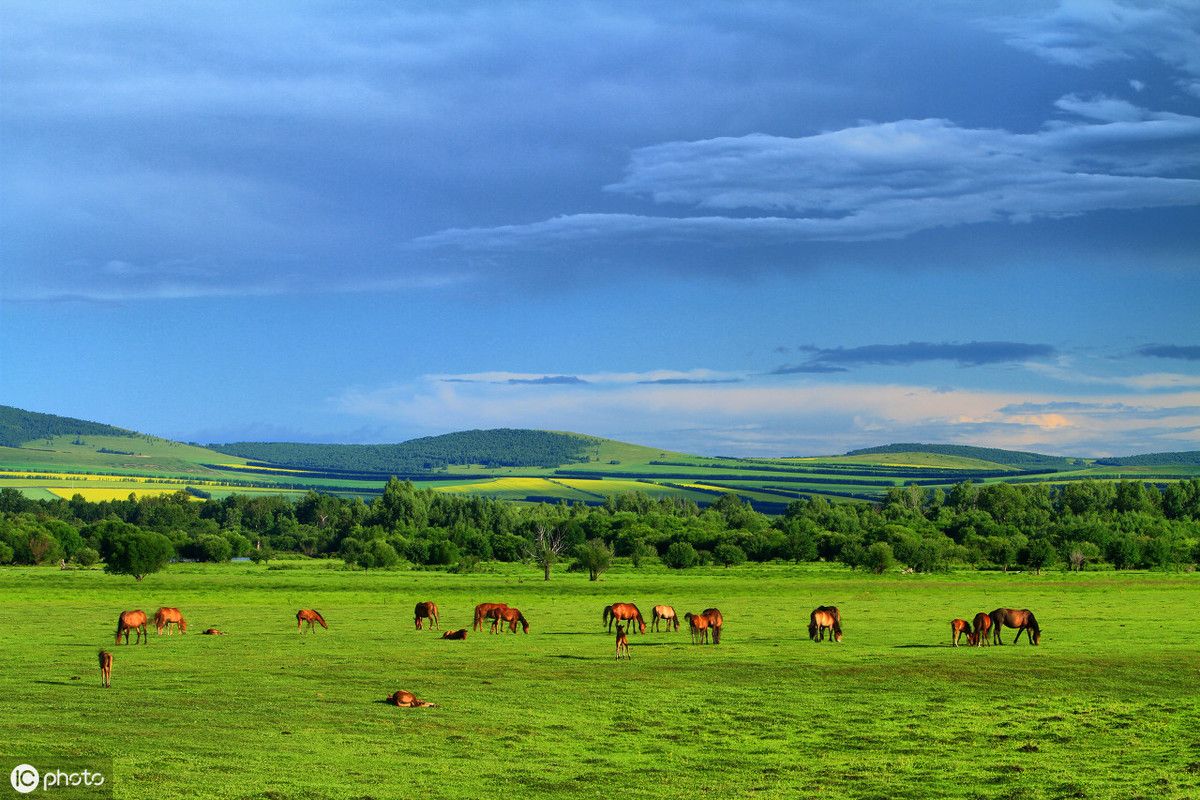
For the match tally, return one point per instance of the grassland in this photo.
(1107, 707)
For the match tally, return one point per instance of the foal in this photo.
(622, 643)
(106, 668)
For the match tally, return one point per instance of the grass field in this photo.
(1107, 707)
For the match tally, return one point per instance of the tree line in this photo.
(1079, 525)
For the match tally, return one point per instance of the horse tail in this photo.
(119, 617)
(608, 612)
(321, 619)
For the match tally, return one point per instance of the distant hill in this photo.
(1009, 458)
(1188, 457)
(18, 426)
(501, 447)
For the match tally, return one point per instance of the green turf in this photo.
(1107, 707)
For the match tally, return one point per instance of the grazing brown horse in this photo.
(1021, 619)
(487, 611)
(698, 623)
(105, 668)
(623, 612)
(458, 635)
(403, 699)
(715, 622)
(622, 643)
(166, 617)
(427, 610)
(511, 616)
(308, 615)
(982, 624)
(212, 632)
(132, 621)
(664, 614)
(825, 618)
(957, 628)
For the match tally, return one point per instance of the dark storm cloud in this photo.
(1182, 352)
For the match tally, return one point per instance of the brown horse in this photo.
(105, 668)
(698, 623)
(715, 621)
(427, 610)
(622, 643)
(166, 617)
(459, 634)
(132, 621)
(825, 618)
(308, 615)
(403, 699)
(212, 632)
(1021, 619)
(664, 614)
(511, 616)
(487, 611)
(958, 627)
(981, 626)
(623, 612)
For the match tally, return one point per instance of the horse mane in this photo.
(1033, 623)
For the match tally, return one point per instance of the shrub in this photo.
(594, 556)
(728, 554)
(86, 556)
(6, 554)
(681, 555)
(262, 554)
(212, 547)
(137, 554)
(879, 558)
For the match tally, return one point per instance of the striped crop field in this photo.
(96, 494)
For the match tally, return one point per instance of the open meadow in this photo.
(1107, 706)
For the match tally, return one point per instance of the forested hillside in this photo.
(1188, 457)
(18, 426)
(1010, 458)
(501, 447)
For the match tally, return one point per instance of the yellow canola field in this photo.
(74, 476)
(501, 485)
(606, 485)
(95, 494)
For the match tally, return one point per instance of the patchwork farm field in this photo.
(1108, 706)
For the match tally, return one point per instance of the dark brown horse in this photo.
(105, 668)
(212, 632)
(166, 617)
(622, 643)
(825, 618)
(664, 614)
(423, 611)
(1021, 619)
(459, 634)
(698, 624)
(132, 621)
(487, 611)
(403, 699)
(623, 612)
(308, 615)
(981, 626)
(715, 622)
(958, 627)
(511, 617)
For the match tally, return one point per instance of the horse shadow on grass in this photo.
(917, 646)
(61, 683)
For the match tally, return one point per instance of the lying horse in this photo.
(715, 622)
(511, 616)
(105, 668)
(698, 623)
(825, 618)
(459, 634)
(623, 612)
(1021, 619)
(487, 611)
(982, 624)
(212, 632)
(664, 614)
(166, 617)
(958, 627)
(132, 621)
(622, 643)
(309, 616)
(427, 610)
(403, 699)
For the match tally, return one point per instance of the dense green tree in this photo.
(595, 557)
(680, 555)
(138, 554)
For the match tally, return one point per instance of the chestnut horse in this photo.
(664, 613)
(427, 610)
(403, 699)
(459, 634)
(212, 632)
(623, 612)
(487, 611)
(511, 616)
(105, 668)
(308, 615)
(982, 625)
(166, 617)
(715, 621)
(622, 642)
(132, 621)
(825, 618)
(698, 623)
(957, 628)
(1021, 619)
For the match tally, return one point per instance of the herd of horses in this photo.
(977, 629)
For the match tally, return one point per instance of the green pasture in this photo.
(1107, 707)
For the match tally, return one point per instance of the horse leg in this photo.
(1020, 630)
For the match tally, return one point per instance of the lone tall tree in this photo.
(548, 544)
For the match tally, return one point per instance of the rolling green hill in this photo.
(1188, 457)
(1008, 458)
(18, 426)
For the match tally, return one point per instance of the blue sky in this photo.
(753, 228)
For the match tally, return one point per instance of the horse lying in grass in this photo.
(457, 635)
(403, 699)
